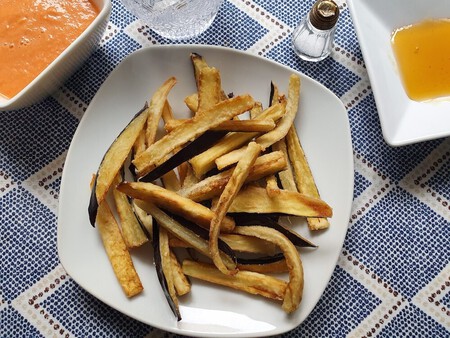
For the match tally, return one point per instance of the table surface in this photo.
(393, 275)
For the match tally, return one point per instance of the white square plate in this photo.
(403, 120)
(209, 310)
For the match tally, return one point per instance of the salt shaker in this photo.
(312, 39)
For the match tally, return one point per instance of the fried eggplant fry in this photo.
(280, 131)
(232, 188)
(132, 232)
(294, 290)
(223, 111)
(117, 251)
(113, 161)
(205, 161)
(303, 176)
(255, 199)
(232, 125)
(181, 232)
(156, 108)
(173, 202)
(213, 185)
(248, 281)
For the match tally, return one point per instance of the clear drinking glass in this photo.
(175, 19)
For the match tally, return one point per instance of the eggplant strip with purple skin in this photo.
(279, 132)
(113, 160)
(200, 123)
(173, 202)
(209, 94)
(266, 264)
(182, 232)
(245, 219)
(232, 125)
(232, 188)
(130, 227)
(248, 281)
(254, 199)
(191, 150)
(237, 243)
(160, 272)
(303, 176)
(294, 290)
(203, 233)
(213, 185)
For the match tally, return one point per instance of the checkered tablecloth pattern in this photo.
(393, 275)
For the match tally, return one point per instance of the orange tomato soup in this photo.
(422, 51)
(33, 33)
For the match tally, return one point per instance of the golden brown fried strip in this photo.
(144, 219)
(140, 143)
(179, 231)
(204, 162)
(224, 110)
(238, 243)
(287, 120)
(170, 181)
(181, 282)
(167, 116)
(280, 131)
(248, 244)
(272, 188)
(156, 107)
(117, 251)
(232, 125)
(190, 179)
(209, 88)
(212, 186)
(173, 202)
(117, 153)
(255, 199)
(199, 63)
(294, 290)
(275, 267)
(248, 281)
(286, 176)
(167, 112)
(167, 265)
(131, 229)
(232, 188)
(303, 176)
(191, 102)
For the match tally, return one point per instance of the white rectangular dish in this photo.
(403, 121)
(209, 310)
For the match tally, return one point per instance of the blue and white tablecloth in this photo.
(393, 275)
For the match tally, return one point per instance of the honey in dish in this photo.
(33, 33)
(422, 52)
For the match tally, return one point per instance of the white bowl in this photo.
(403, 120)
(64, 65)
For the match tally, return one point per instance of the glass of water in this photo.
(175, 19)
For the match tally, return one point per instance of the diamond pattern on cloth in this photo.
(393, 275)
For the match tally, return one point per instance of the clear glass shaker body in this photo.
(313, 38)
(310, 43)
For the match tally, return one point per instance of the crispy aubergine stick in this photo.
(203, 121)
(114, 159)
(164, 275)
(294, 289)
